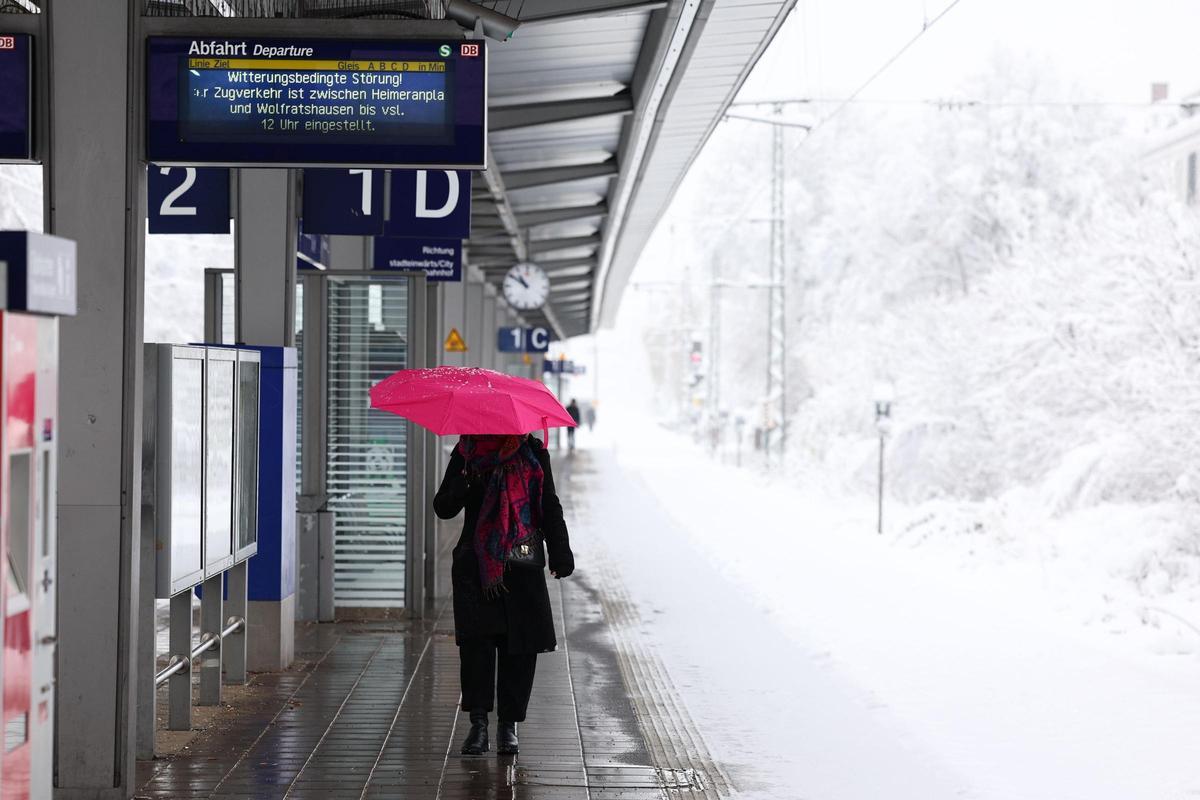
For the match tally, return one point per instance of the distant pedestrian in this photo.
(573, 410)
(501, 606)
(591, 416)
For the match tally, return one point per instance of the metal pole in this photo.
(776, 400)
(183, 663)
(179, 690)
(558, 432)
(881, 440)
(714, 347)
(211, 619)
(233, 651)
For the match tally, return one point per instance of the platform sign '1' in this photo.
(523, 340)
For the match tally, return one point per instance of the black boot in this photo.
(506, 738)
(476, 742)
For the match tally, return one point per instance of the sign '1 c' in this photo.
(523, 340)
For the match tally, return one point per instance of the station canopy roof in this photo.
(597, 109)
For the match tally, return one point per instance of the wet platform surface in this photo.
(371, 711)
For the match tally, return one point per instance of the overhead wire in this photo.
(927, 25)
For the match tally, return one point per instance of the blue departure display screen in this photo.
(237, 102)
(16, 97)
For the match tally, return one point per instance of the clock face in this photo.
(526, 287)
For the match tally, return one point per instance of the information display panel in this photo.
(16, 97)
(293, 102)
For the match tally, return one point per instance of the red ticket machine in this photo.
(39, 277)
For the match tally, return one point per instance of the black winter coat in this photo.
(523, 611)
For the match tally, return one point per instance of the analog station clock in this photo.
(526, 287)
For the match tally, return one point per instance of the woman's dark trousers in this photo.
(510, 685)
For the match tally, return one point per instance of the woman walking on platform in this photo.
(501, 605)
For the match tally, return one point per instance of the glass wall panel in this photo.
(366, 454)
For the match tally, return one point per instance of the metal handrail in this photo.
(208, 641)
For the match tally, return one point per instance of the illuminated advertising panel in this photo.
(16, 97)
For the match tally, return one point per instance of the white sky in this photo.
(1114, 48)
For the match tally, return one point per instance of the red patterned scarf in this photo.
(512, 499)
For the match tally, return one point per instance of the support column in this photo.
(179, 685)
(453, 304)
(417, 458)
(349, 252)
(265, 264)
(488, 337)
(433, 350)
(473, 324)
(95, 194)
(453, 296)
(265, 257)
(233, 648)
(212, 620)
(315, 556)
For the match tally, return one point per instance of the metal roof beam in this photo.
(570, 10)
(492, 250)
(549, 216)
(565, 266)
(570, 286)
(550, 245)
(548, 176)
(507, 118)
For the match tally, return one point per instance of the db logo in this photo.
(10, 43)
(469, 49)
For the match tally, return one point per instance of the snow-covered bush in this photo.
(1009, 266)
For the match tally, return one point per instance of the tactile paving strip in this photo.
(672, 740)
(613, 777)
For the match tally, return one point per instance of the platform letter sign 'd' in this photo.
(343, 201)
(430, 203)
(187, 199)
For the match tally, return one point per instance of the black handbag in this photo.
(529, 553)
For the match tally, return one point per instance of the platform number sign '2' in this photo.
(188, 199)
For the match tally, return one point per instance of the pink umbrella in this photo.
(458, 400)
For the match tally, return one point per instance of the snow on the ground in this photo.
(1018, 665)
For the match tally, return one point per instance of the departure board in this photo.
(16, 97)
(316, 102)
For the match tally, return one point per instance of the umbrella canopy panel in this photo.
(469, 400)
